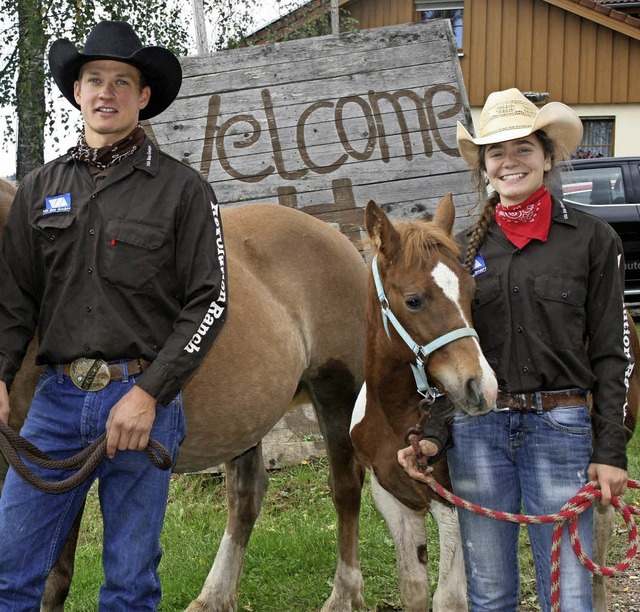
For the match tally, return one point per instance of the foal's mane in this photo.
(419, 239)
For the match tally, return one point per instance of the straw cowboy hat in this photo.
(508, 115)
(116, 40)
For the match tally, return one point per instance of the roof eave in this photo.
(602, 15)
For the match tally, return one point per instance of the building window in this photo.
(597, 139)
(443, 10)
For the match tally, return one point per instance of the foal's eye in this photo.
(414, 302)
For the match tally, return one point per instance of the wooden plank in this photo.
(587, 89)
(524, 46)
(620, 85)
(634, 70)
(556, 59)
(604, 66)
(493, 50)
(326, 124)
(509, 44)
(540, 50)
(477, 88)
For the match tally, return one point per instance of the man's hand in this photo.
(407, 459)
(5, 409)
(130, 422)
(612, 480)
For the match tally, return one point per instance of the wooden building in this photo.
(584, 53)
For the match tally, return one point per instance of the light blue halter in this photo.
(421, 352)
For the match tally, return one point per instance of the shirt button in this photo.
(89, 309)
(565, 295)
(90, 270)
(525, 369)
(516, 289)
(87, 348)
(92, 232)
(519, 329)
(52, 238)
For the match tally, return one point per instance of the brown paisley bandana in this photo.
(109, 155)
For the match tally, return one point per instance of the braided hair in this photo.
(488, 212)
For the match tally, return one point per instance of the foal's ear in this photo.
(384, 236)
(445, 213)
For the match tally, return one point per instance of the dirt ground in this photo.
(624, 590)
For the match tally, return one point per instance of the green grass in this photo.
(291, 557)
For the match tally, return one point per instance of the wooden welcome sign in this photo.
(325, 124)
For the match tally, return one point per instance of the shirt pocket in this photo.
(134, 253)
(56, 242)
(489, 313)
(560, 311)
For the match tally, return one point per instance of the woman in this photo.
(549, 312)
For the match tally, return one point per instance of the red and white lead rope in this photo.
(569, 513)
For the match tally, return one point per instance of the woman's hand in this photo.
(407, 459)
(612, 480)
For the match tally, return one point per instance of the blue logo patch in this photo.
(479, 267)
(57, 204)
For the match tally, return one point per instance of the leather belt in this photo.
(540, 400)
(95, 374)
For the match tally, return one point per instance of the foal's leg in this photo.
(604, 519)
(333, 394)
(451, 594)
(407, 528)
(247, 484)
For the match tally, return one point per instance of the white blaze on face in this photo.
(447, 280)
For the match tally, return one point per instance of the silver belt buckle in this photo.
(90, 374)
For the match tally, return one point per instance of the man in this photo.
(114, 253)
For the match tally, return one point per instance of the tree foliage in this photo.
(28, 27)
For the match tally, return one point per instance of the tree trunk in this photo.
(30, 88)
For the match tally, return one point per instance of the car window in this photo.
(595, 186)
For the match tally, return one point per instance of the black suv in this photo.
(609, 188)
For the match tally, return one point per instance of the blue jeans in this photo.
(133, 495)
(521, 461)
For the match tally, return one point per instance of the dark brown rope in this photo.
(13, 446)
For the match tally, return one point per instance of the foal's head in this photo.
(430, 293)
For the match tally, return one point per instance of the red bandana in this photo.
(525, 222)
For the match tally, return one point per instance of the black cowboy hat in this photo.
(116, 40)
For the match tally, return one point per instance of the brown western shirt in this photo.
(129, 266)
(551, 316)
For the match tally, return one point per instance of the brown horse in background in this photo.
(430, 293)
(295, 327)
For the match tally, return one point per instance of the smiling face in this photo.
(516, 168)
(111, 97)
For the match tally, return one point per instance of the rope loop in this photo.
(17, 449)
(568, 514)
